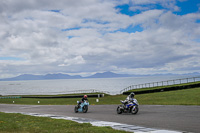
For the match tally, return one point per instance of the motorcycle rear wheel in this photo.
(119, 111)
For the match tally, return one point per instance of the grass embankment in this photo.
(19, 123)
(179, 97)
(162, 87)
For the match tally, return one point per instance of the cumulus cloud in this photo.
(90, 36)
(150, 4)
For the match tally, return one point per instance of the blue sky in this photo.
(186, 7)
(85, 37)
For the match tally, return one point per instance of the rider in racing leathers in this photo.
(129, 99)
(83, 99)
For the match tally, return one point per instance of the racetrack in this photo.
(179, 118)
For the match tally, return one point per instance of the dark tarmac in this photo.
(169, 117)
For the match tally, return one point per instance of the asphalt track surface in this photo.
(170, 117)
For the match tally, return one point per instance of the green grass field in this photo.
(161, 87)
(179, 97)
(28, 124)
(18, 123)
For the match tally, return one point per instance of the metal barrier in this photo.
(161, 83)
(85, 91)
(10, 97)
(70, 96)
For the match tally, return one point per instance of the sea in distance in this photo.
(111, 86)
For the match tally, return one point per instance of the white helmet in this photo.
(132, 94)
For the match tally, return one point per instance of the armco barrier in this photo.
(73, 96)
(165, 89)
(161, 83)
(10, 97)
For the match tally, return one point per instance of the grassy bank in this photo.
(19, 123)
(179, 97)
(162, 87)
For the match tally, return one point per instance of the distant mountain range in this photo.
(66, 76)
(108, 75)
(41, 77)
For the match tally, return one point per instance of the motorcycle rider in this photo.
(129, 99)
(82, 100)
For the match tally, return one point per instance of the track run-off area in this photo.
(159, 117)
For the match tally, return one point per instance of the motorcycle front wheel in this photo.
(134, 110)
(85, 109)
(76, 109)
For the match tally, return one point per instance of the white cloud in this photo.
(142, 4)
(85, 37)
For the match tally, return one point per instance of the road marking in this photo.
(114, 125)
(28, 107)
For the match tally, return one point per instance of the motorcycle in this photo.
(81, 107)
(131, 107)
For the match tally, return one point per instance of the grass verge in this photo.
(18, 123)
(179, 97)
(162, 87)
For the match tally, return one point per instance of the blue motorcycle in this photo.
(131, 107)
(81, 107)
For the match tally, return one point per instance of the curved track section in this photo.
(159, 117)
